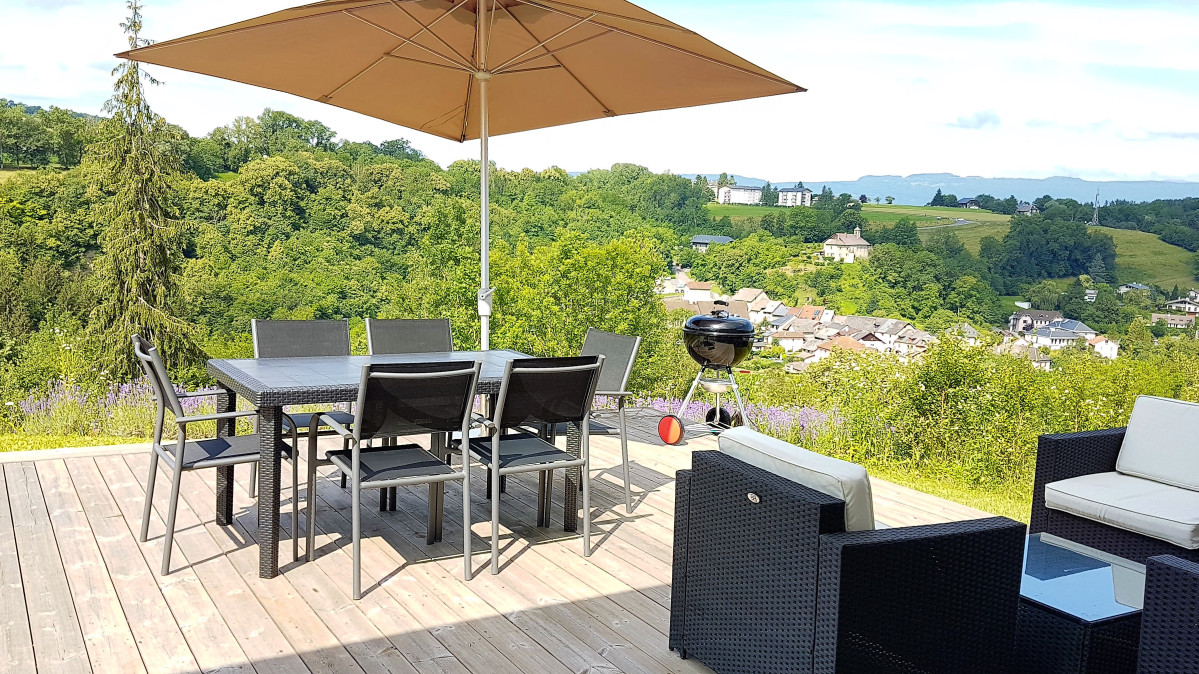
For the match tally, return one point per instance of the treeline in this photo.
(34, 137)
(1176, 221)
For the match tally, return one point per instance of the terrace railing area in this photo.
(78, 592)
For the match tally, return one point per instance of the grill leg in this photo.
(690, 393)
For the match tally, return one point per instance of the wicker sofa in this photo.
(771, 575)
(1170, 622)
(1132, 492)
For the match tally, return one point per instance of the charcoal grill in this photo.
(716, 342)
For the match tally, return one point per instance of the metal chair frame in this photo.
(620, 393)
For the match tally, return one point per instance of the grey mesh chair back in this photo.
(164, 390)
(408, 335)
(295, 339)
(547, 390)
(619, 352)
(415, 398)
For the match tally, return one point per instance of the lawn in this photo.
(929, 216)
(741, 211)
(1145, 258)
(12, 173)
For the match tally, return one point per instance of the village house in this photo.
(698, 291)
(737, 194)
(700, 242)
(795, 196)
(1077, 327)
(825, 349)
(1186, 305)
(1027, 209)
(1175, 321)
(789, 340)
(847, 247)
(966, 332)
(1129, 287)
(1104, 347)
(1029, 320)
(750, 295)
(1054, 339)
(967, 202)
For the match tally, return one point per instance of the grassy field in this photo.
(1144, 258)
(929, 216)
(11, 173)
(740, 212)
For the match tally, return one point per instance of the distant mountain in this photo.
(918, 189)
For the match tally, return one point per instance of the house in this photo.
(1129, 287)
(750, 295)
(696, 291)
(737, 194)
(967, 202)
(825, 349)
(847, 247)
(790, 341)
(815, 313)
(1022, 347)
(1077, 327)
(1027, 209)
(966, 332)
(1104, 347)
(1186, 305)
(795, 196)
(1054, 339)
(1090, 295)
(1028, 320)
(700, 242)
(1175, 321)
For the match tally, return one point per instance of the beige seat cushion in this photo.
(1134, 504)
(842, 479)
(1162, 442)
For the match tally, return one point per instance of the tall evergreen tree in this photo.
(938, 200)
(1097, 269)
(136, 281)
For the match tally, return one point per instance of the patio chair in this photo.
(778, 567)
(619, 352)
(300, 339)
(397, 400)
(1170, 620)
(1132, 492)
(195, 454)
(538, 393)
(408, 335)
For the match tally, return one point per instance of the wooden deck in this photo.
(78, 592)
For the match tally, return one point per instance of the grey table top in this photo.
(321, 379)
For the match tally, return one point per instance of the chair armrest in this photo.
(201, 393)
(614, 394)
(1063, 456)
(326, 420)
(1170, 620)
(217, 416)
(935, 598)
(480, 421)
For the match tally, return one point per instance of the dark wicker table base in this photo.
(1051, 642)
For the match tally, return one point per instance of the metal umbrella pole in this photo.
(482, 77)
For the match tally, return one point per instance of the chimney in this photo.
(857, 231)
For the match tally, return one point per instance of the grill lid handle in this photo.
(721, 310)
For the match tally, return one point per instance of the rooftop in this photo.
(79, 588)
(707, 238)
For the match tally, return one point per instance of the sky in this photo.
(1094, 90)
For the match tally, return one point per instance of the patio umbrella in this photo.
(470, 69)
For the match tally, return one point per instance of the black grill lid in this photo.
(719, 322)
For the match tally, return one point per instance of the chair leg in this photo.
(495, 522)
(343, 480)
(295, 504)
(431, 532)
(489, 481)
(624, 456)
(383, 500)
(176, 479)
(586, 480)
(467, 571)
(391, 498)
(357, 544)
(311, 503)
(541, 480)
(149, 495)
(253, 488)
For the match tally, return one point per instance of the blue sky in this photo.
(1097, 90)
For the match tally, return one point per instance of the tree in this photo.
(770, 196)
(69, 134)
(937, 200)
(890, 200)
(724, 181)
(876, 200)
(863, 199)
(701, 183)
(1043, 295)
(136, 280)
(1097, 270)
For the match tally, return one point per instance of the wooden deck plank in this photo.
(106, 633)
(58, 643)
(16, 641)
(159, 638)
(260, 639)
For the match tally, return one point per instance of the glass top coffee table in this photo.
(1080, 609)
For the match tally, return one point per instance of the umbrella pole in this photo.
(485, 290)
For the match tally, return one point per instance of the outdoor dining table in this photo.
(271, 383)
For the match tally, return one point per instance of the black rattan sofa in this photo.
(766, 579)
(1060, 457)
(1170, 623)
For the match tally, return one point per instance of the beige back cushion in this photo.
(1162, 442)
(841, 479)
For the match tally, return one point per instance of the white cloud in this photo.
(1023, 89)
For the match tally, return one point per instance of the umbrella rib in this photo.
(455, 68)
(408, 41)
(541, 44)
(551, 52)
(329, 96)
(656, 24)
(608, 112)
(666, 45)
(429, 29)
(470, 84)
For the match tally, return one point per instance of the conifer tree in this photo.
(136, 280)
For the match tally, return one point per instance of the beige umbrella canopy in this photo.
(473, 68)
